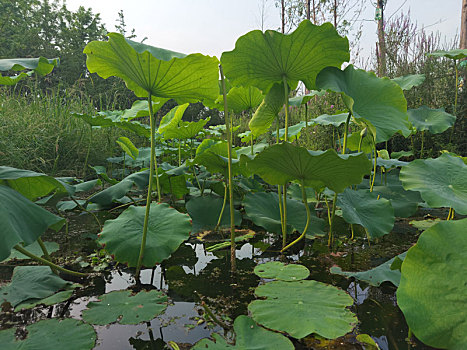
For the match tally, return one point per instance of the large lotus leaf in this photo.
(170, 120)
(167, 229)
(293, 132)
(140, 108)
(280, 271)
(205, 213)
(297, 101)
(50, 334)
(353, 142)
(407, 82)
(31, 184)
(128, 147)
(213, 155)
(241, 98)
(363, 208)
(326, 119)
(123, 307)
(249, 336)
(378, 101)
(262, 59)
(112, 193)
(33, 248)
(150, 70)
(375, 276)
(442, 182)
(186, 130)
(263, 209)
(22, 221)
(280, 164)
(303, 307)
(435, 121)
(455, 54)
(48, 301)
(175, 185)
(268, 111)
(31, 282)
(432, 293)
(41, 66)
(405, 203)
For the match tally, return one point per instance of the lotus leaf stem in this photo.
(48, 263)
(286, 139)
(308, 217)
(451, 214)
(423, 141)
(229, 153)
(346, 131)
(374, 169)
(223, 207)
(46, 253)
(87, 211)
(333, 214)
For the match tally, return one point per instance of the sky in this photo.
(212, 26)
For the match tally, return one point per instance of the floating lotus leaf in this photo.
(435, 121)
(40, 65)
(124, 308)
(150, 70)
(375, 276)
(205, 212)
(262, 59)
(363, 208)
(280, 271)
(326, 119)
(31, 282)
(249, 336)
(407, 82)
(268, 111)
(14, 208)
(167, 229)
(297, 101)
(432, 293)
(50, 334)
(378, 101)
(442, 182)
(33, 248)
(263, 209)
(303, 307)
(48, 301)
(280, 164)
(455, 54)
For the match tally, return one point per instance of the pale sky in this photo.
(212, 26)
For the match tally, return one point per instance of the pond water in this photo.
(193, 275)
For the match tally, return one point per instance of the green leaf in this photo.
(407, 82)
(22, 221)
(294, 131)
(435, 121)
(303, 307)
(442, 182)
(167, 229)
(31, 282)
(378, 101)
(124, 308)
(268, 111)
(249, 336)
(241, 98)
(110, 194)
(423, 225)
(262, 59)
(297, 101)
(186, 130)
(263, 209)
(40, 65)
(175, 185)
(150, 70)
(128, 146)
(33, 248)
(48, 301)
(280, 164)
(400, 154)
(170, 120)
(363, 208)
(405, 203)
(205, 212)
(432, 293)
(375, 276)
(213, 155)
(326, 119)
(455, 54)
(50, 334)
(279, 271)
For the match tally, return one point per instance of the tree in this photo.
(463, 36)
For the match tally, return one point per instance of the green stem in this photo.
(179, 153)
(333, 214)
(229, 152)
(279, 195)
(223, 207)
(306, 126)
(423, 140)
(286, 92)
(346, 131)
(87, 153)
(123, 170)
(308, 217)
(48, 263)
(374, 169)
(284, 213)
(87, 211)
(46, 253)
(286, 139)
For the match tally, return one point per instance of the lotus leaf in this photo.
(14, 208)
(294, 131)
(432, 293)
(33, 248)
(213, 155)
(326, 119)
(407, 82)
(423, 225)
(242, 98)
(400, 154)
(31, 282)
(50, 334)
(268, 111)
(48, 301)
(40, 65)
(170, 120)
(442, 182)
(112, 193)
(186, 130)
(175, 184)
(280, 164)
(297, 101)
(405, 203)
(166, 231)
(249, 336)
(303, 307)
(362, 207)
(279, 271)
(127, 146)
(455, 54)
(377, 275)
(378, 101)
(205, 213)
(262, 59)
(435, 121)
(123, 307)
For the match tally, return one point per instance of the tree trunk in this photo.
(314, 12)
(283, 15)
(463, 37)
(335, 14)
(308, 9)
(381, 41)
